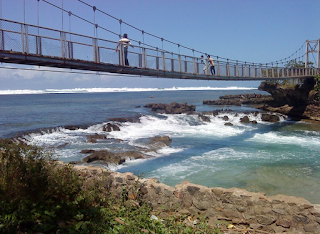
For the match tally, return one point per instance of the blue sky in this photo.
(257, 31)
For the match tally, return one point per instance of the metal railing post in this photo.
(267, 72)
(2, 47)
(157, 63)
(163, 61)
(238, 73)
(218, 68)
(245, 68)
(22, 39)
(228, 69)
(63, 44)
(70, 50)
(26, 38)
(180, 63)
(185, 66)
(144, 57)
(38, 45)
(172, 63)
(95, 50)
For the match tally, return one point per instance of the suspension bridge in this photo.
(29, 44)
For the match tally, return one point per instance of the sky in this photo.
(258, 31)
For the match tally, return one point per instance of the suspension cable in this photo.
(150, 46)
(62, 14)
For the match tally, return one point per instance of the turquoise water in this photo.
(280, 158)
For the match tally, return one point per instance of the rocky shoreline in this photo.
(232, 210)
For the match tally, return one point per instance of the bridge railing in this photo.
(16, 37)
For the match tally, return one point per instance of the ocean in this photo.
(275, 158)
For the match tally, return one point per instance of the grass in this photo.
(40, 195)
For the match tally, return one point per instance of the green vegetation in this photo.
(317, 87)
(295, 64)
(40, 195)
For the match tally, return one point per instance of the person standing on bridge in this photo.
(211, 63)
(124, 43)
(203, 61)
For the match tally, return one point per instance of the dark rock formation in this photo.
(238, 100)
(94, 138)
(204, 118)
(246, 119)
(162, 139)
(109, 127)
(298, 102)
(104, 157)
(270, 118)
(173, 108)
(110, 158)
(135, 119)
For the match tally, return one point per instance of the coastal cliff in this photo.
(298, 102)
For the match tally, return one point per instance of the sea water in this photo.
(275, 158)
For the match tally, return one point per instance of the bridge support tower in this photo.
(313, 47)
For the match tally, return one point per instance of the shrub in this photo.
(40, 195)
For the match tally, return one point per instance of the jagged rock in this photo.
(173, 108)
(228, 124)
(298, 102)
(161, 139)
(204, 118)
(131, 155)
(109, 127)
(270, 118)
(135, 119)
(237, 100)
(239, 207)
(245, 119)
(104, 156)
(94, 138)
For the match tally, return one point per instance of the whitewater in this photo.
(275, 158)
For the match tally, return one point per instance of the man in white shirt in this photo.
(124, 42)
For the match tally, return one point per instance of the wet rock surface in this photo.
(173, 108)
(108, 158)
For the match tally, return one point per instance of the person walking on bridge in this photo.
(124, 43)
(203, 61)
(211, 63)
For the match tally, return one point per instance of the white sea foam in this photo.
(175, 126)
(275, 138)
(112, 90)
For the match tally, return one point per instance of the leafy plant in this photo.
(40, 195)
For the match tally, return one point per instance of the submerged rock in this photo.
(109, 127)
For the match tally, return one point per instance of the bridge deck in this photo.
(22, 43)
(18, 58)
